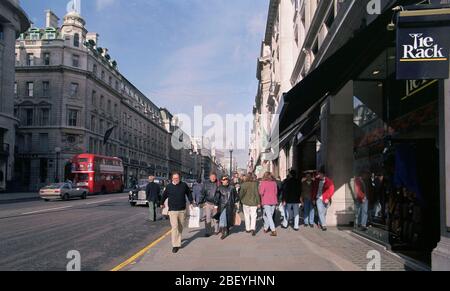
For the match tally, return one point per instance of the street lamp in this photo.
(231, 160)
(58, 152)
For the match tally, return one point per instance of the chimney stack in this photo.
(51, 20)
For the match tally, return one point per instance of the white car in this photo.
(64, 191)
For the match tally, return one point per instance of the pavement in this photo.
(306, 250)
(16, 197)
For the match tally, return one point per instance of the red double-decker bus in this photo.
(99, 174)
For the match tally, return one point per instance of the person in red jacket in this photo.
(321, 193)
(361, 200)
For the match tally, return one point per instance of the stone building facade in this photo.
(13, 21)
(68, 94)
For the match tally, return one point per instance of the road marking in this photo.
(140, 253)
(46, 210)
(95, 202)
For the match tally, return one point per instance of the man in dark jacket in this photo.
(176, 193)
(152, 191)
(207, 199)
(291, 200)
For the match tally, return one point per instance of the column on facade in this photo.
(337, 136)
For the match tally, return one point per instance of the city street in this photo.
(105, 230)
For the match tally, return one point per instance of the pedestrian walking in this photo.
(176, 193)
(322, 192)
(268, 192)
(251, 201)
(308, 207)
(225, 200)
(359, 189)
(197, 189)
(291, 200)
(207, 198)
(152, 191)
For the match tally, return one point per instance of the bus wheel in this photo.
(103, 192)
(66, 197)
(133, 204)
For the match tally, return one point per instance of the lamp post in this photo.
(231, 161)
(58, 152)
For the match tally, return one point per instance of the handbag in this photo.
(237, 219)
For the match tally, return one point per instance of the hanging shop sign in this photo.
(423, 44)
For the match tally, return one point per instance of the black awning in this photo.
(337, 70)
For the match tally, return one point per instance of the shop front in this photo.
(358, 118)
(396, 157)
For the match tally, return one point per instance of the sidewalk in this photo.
(7, 197)
(306, 250)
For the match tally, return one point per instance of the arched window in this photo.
(76, 40)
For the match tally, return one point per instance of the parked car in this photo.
(64, 191)
(138, 196)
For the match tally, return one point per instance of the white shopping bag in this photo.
(194, 218)
(165, 211)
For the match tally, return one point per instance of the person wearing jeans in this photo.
(250, 200)
(322, 192)
(308, 207)
(361, 202)
(291, 200)
(268, 191)
(225, 203)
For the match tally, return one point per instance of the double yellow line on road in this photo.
(140, 253)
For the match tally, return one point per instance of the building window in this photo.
(45, 88)
(94, 98)
(30, 59)
(103, 75)
(102, 101)
(47, 59)
(93, 123)
(75, 61)
(94, 69)
(73, 89)
(2, 34)
(117, 85)
(29, 117)
(101, 126)
(43, 165)
(76, 40)
(44, 116)
(30, 89)
(72, 117)
(110, 81)
(109, 106)
(15, 88)
(116, 112)
(43, 142)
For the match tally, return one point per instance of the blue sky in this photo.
(179, 53)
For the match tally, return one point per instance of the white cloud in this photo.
(102, 4)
